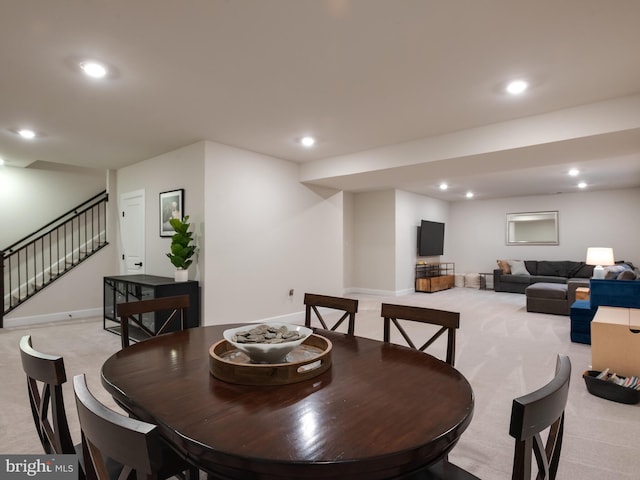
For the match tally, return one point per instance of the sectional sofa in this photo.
(550, 286)
(515, 280)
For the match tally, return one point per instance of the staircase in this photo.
(39, 259)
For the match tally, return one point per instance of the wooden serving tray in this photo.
(309, 360)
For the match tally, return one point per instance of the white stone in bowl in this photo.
(267, 352)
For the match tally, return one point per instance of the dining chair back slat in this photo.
(448, 321)
(130, 314)
(349, 306)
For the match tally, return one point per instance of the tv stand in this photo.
(433, 277)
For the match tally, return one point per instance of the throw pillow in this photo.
(611, 272)
(550, 268)
(627, 275)
(585, 271)
(518, 267)
(504, 266)
(472, 280)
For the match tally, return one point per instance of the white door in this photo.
(132, 228)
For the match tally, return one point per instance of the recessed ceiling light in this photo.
(582, 185)
(93, 69)
(1, 161)
(26, 133)
(517, 87)
(308, 141)
(469, 195)
(443, 186)
(574, 172)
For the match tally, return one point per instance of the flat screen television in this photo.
(430, 239)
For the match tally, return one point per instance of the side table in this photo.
(483, 280)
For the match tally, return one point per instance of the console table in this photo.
(433, 277)
(132, 288)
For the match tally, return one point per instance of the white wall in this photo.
(33, 197)
(266, 233)
(349, 246)
(385, 226)
(586, 219)
(262, 230)
(374, 237)
(78, 293)
(410, 210)
(181, 168)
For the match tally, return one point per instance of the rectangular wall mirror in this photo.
(532, 228)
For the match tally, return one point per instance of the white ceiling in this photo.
(359, 75)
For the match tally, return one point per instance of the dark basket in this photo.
(609, 390)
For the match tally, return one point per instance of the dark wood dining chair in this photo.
(349, 306)
(534, 413)
(130, 314)
(45, 376)
(448, 321)
(531, 415)
(116, 446)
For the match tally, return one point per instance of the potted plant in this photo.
(181, 250)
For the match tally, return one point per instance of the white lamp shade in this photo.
(599, 256)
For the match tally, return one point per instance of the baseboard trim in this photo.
(408, 291)
(296, 317)
(52, 317)
(381, 293)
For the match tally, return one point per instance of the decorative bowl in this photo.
(267, 352)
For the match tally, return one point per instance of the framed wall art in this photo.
(171, 206)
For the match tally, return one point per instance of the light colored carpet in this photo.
(502, 350)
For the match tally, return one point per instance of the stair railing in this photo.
(38, 259)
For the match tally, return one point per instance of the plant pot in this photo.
(181, 275)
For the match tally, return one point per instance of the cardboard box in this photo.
(614, 345)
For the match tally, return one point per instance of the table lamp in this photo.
(599, 256)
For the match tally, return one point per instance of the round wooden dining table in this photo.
(380, 411)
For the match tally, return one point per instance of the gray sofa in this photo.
(550, 286)
(542, 271)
